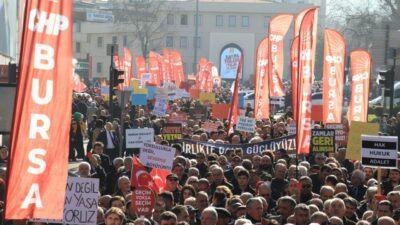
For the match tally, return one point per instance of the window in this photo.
(170, 19)
(184, 19)
(78, 47)
(88, 38)
(196, 44)
(77, 27)
(114, 40)
(100, 42)
(266, 21)
(232, 21)
(245, 21)
(99, 67)
(184, 42)
(169, 42)
(125, 41)
(220, 21)
(199, 18)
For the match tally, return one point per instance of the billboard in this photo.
(99, 16)
(229, 61)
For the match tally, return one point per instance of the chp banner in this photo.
(140, 67)
(307, 37)
(294, 60)
(154, 68)
(177, 68)
(286, 142)
(361, 74)
(278, 27)
(39, 144)
(261, 92)
(127, 67)
(333, 77)
(167, 65)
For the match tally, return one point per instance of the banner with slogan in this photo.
(44, 87)
(286, 142)
(140, 67)
(333, 76)
(246, 124)
(136, 137)
(160, 107)
(171, 131)
(127, 67)
(294, 68)
(341, 132)
(234, 108)
(80, 205)
(157, 156)
(177, 68)
(229, 61)
(210, 126)
(307, 39)
(154, 68)
(261, 92)
(167, 65)
(199, 112)
(178, 117)
(322, 140)
(379, 151)
(200, 79)
(361, 64)
(278, 27)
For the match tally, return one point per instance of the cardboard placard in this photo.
(220, 111)
(171, 131)
(207, 98)
(80, 206)
(143, 201)
(160, 107)
(246, 124)
(209, 126)
(178, 117)
(322, 140)
(138, 99)
(379, 151)
(136, 137)
(356, 130)
(157, 156)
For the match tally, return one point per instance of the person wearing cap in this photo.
(173, 186)
(224, 216)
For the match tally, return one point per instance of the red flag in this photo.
(177, 68)
(234, 110)
(154, 68)
(140, 66)
(299, 19)
(38, 167)
(261, 93)
(159, 176)
(278, 27)
(166, 58)
(333, 77)
(294, 60)
(127, 67)
(307, 37)
(201, 66)
(140, 176)
(209, 79)
(361, 74)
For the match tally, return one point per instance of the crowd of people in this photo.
(229, 189)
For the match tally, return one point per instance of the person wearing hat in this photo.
(224, 216)
(173, 186)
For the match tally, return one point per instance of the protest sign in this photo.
(291, 128)
(143, 201)
(220, 111)
(182, 93)
(209, 126)
(198, 112)
(379, 151)
(171, 131)
(322, 140)
(138, 99)
(286, 142)
(207, 98)
(356, 130)
(136, 137)
(80, 206)
(178, 117)
(157, 156)
(160, 107)
(245, 124)
(161, 93)
(341, 133)
(194, 93)
(145, 77)
(151, 91)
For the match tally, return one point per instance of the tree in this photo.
(147, 18)
(392, 7)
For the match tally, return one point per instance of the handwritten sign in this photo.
(80, 206)
(157, 156)
(136, 137)
(245, 124)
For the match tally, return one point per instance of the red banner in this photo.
(278, 27)
(361, 63)
(127, 67)
(167, 64)
(307, 37)
(261, 93)
(234, 109)
(154, 68)
(333, 77)
(208, 81)
(140, 67)
(38, 166)
(200, 80)
(177, 68)
(299, 19)
(294, 60)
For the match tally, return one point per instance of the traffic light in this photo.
(116, 77)
(386, 78)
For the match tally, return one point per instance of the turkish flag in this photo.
(140, 177)
(159, 176)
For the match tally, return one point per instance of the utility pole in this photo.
(110, 99)
(196, 36)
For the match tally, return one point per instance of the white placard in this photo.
(379, 151)
(145, 77)
(80, 206)
(291, 129)
(246, 124)
(136, 137)
(160, 107)
(157, 156)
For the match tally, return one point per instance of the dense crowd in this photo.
(233, 188)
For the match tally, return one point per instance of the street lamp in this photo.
(196, 34)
